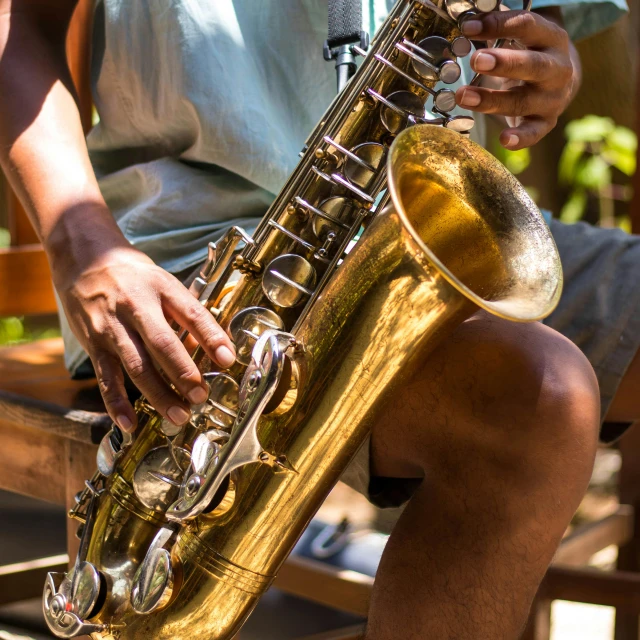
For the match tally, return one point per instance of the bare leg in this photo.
(502, 422)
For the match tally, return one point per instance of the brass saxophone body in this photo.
(184, 529)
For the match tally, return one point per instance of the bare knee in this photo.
(530, 383)
(521, 396)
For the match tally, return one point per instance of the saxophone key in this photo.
(461, 124)
(398, 108)
(363, 163)
(461, 47)
(332, 215)
(432, 67)
(247, 326)
(456, 8)
(221, 407)
(158, 476)
(288, 280)
(153, 582)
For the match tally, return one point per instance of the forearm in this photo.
(42, 147)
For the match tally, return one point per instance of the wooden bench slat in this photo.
(32, 463)
(619, 589)
(72, 424)
(330, 586)
(25, 282)
(37, 371)
(586, 540)
(20, 581)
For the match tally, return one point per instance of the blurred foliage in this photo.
(5, 238)
(597, 163)
(515, 161)
(15, 330)
(19, 330)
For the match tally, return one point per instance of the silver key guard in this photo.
(207, 472)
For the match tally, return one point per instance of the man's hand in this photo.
(539, 82)
(120, 308)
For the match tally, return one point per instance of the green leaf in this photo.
(515, 161)
(624, 223)
(589, 129)
(11, 330)
(518, 161)
(568, 164)
(594, 173)
(625, 161)
(574, 207)
(5, 238)
(623, 139)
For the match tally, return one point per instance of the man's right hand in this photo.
(119, 306)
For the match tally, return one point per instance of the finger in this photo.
(193, 316)
(111, 384)
(171, 356)
(526, 27)
(139, 366)
(519, 101)
(530, 66)
(527, 133)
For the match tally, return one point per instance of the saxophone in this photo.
(392, 230)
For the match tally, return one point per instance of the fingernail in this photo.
(470, 98)
(178, 415)
(198, 395)
(124, 423)
(471, 27)
(484, 62)
(513, 141)
(224, 356)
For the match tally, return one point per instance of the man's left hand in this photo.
(538, 82)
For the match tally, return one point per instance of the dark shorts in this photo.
(599, 311)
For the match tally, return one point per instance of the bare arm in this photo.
(117, 300)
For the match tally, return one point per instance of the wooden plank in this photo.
(539, 623)
(619, 589)
(32, 463)
(586, 540)
(73, 424)
(354, 632)
(628, 626)
(338, 588)
(25, 282)
(20, 227)
(36, 370)
(79, 58)
(22, 580)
